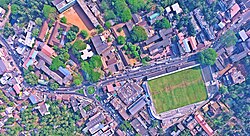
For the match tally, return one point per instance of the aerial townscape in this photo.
(125, 67)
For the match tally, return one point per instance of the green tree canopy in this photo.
(136, 5)
(164, 23)
(122, 10)
(49, 11)
(207, 57)
(14, 9)
(228, 39)
(63, 20)
(56, 63)
(138, 34)
(79, 45)
(84, 34)
(53, 85)
(109, 15)
(95, 61)
(108, 24)
(77, 79)
(31, 78)
(121, 40)
(71, 35)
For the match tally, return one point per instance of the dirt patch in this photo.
(76, 16)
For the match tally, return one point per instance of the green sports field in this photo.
(177, 90)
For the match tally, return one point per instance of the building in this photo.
(48, 51)
(89, 14)
(139, 128)
(99, 45)
(87, 53)
(233, 11)
(43, 32)
(3, 67)
(137, 106)
(176, 8)
(62, 5)
(58, 35)
(243, 35)
(204, 125)
(129, 92)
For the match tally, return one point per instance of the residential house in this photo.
(63, 5)
(43, 108)
(176, 8)
(28, 39)
(3, 67)
(234, 76)
(203, 124)
(243, 35)
(233, 11)
(139, 128)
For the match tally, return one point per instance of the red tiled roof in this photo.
(48, 50)
(17, 88)
(234, 10)
(43, 30)
(204, 125)
(193, 42)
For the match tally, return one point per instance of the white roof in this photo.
(87, 53)
(221, 25)
(186, 45)
(168, 9)
(243, 35)
(176, 8)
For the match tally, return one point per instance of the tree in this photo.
(39, 21)
(223, 89)
(56, 63)
(74, 28)
(122, 10)
(138, 34)
(31, 78)
(35, 32)
(49, 11)
(228, 39)
(108, 24)
(77, 79)
(109, 15)
(136, 5)
(95, 62)
(53, 85)
(164, 23)
(191, 29)
(84, 34)
(79, 45)
(121, 40)
(63, 20)
(91, 90)
(207, 57)
(14, 9)
(71, 36)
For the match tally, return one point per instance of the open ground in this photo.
(76, 16)
(177, 90)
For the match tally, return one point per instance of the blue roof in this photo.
(64, 71)
(155, 15)
(34, 54)
(33, 99)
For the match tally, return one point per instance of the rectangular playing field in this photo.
(178, 89)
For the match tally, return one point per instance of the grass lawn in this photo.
(177, 90)
(91, 90)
